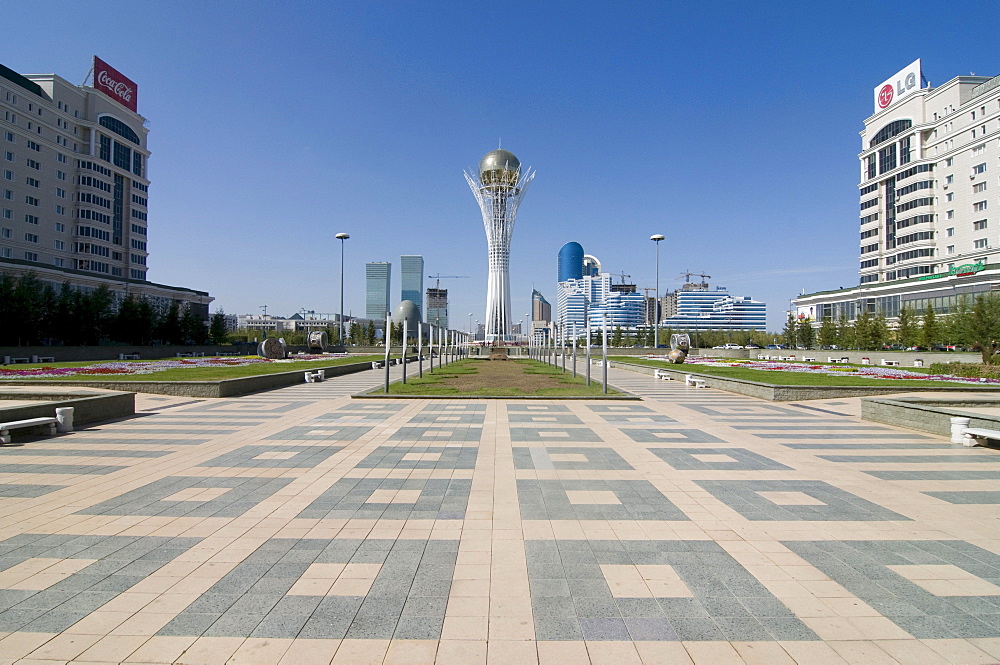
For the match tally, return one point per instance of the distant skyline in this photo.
(731, 128)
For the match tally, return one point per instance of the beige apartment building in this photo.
(74, 190)
(929, 228)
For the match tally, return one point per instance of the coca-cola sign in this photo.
(114, 84)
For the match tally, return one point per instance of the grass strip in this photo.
(443, 380)
(219, 373)
(779, 378)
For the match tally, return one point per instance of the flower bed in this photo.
(132, 367)
(866, 371)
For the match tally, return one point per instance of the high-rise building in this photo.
(437, 307)
(703, 309)
(74, 191)
(541, 310)
(927, 231)
(576, 296)
(626, 310)
(411, 276)
(570, 262)
(499, 187)
(377, 282)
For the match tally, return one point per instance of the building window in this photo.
(31, 219)
(979, 225)
(980, 243)
(949, 162)
(950, 249)
(979, 187)
(31, 256)
(58, 244)
(31, 200)
(61, 175)
(57, 262)
(949, 179)
(60, 227)
(31, 237)
(105, 148)
(979, 168)
(887, 158)
(5, 233)
(979, 206)
(33, 164)
(6, 253)
(950, 214)
(8, 174)
(32, 182)
(119, 128)
(949, 231)
(870, 167)
(8, 213)
(9, 156)
(60, 210)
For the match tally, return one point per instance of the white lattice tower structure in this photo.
(499, 188)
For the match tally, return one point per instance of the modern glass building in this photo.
(377, 279)
(575, 296)
(702, 309)
(570, 262)
(412, 279)
(627, 310)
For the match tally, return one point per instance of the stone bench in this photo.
(662, 374)
(9, 360)
(128, 356)
(890, 363)
(834, 361)
(48, 423)
(43, 359)
(377, 364)
(691, 380)
(978, 435)
(315, 377)
(808, 360)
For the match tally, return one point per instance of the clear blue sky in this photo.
(729, 127)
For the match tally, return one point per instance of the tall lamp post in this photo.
(342, 237)
(656, 300)
(470, 323)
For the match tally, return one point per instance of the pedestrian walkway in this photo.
(301, 526)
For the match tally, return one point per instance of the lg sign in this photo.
(112, 83)
(902, 84)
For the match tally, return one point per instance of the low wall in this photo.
(224, 388)
(779, 393)
(87, 408)
(928, 414)
(905, 358)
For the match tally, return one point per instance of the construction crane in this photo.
(687, 275)
(439, 277)
(622, 275)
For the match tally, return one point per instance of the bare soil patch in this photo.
(502, 374)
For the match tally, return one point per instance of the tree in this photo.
(957, 325)
(370, 333)
(984, 326)
(616, 336)
(846, 337)
(790, 335)
(863, 330)
(217, 332)
(930, 331)
(805, 334)
(878, 331)
(907, 332)
(169, 331)
(827, 332)
(194, 330)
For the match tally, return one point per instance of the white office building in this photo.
(575, 296)
(929, 224)
(74, 188)
(716, 309)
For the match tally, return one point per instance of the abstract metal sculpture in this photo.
(499, 187)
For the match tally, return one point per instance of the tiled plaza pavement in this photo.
(300, 526)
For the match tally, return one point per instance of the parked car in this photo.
(728, 346)
(751, 345)
(775, 346)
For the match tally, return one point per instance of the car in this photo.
(728, 346)
(775, 346)
(751, 345)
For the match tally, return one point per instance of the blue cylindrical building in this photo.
(570, 261)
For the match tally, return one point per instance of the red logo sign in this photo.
(885, 96)
(112, 83)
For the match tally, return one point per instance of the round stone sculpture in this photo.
(499, 168)
(271, 348)
(407, 310)
(676, 356)
(318, 340)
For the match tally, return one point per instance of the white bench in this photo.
(866, 361)
(185, 355)
(662, 374)
(761, 356)
(691, 380)
(43, 359)
(918, 363)
(978, 435)
(315, 377)
(48, 423)
(890, 363)
(8, 360)
(808, 360)
(596, 362)
(377, 365)
(128, 356)
(834, 361)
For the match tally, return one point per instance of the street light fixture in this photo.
(342, 237)
(656, 300)
(470, 322)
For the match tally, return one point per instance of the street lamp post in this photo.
(342, 237)
(656, 301)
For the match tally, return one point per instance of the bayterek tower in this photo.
(499, 188)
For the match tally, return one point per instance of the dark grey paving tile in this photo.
(667, 435)
(11, 491)
(272, 457)
(595, 459)
(836, 504)
(555, 434)
(633, 500)
(421, 457)
(515, 407)
(240, 495)
(912, 459)
(321, 432)
(737, 459)
(969, 497)
(61, 469)
(438, 434)
(958, 474)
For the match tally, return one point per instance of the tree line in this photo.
(35, 313)
(974, 324)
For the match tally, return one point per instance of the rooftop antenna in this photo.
(499, 143)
